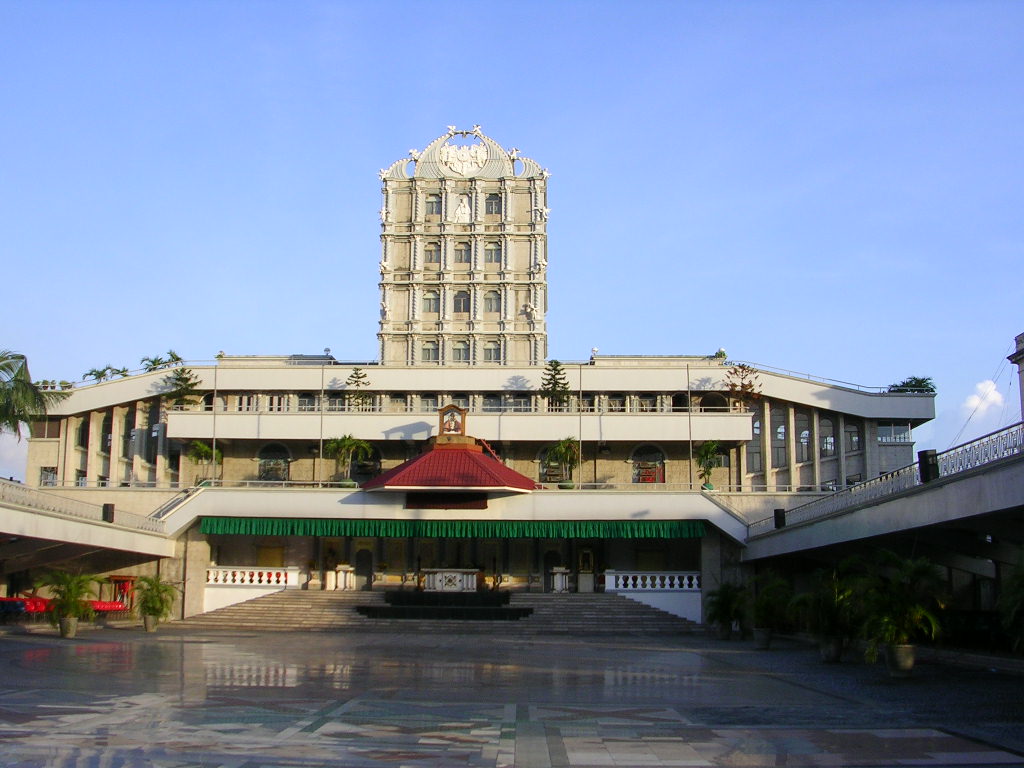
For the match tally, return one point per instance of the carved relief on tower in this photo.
(463, 160)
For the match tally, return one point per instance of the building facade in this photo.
(242, 470)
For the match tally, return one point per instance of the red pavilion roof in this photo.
(451, 467)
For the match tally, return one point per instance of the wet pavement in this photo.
(118, 698)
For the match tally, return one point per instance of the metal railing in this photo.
(41, 501)
(994, 446)
(510, 407)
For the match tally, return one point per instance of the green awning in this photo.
(454, 529)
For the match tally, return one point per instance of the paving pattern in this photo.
(117, 698)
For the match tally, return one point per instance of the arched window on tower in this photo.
(853, 437)
(460, 304)
(460, 352)
(492, 352)
(779, 456)
(648, 464)
(429, 352)
(492, 302)
(492, 253)
(462, 253)
(432, 254)
(433, 205)
(492, 204)
(431, 303)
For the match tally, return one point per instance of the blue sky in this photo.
(829, 188)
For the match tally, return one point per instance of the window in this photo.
(431, 303)
(429, 352)
(433, 205)
(852, 437)
(616, 403)
(428, 402)
(432, 253)
(648, 465)
(647, 403)
(492, 302)
(106, 431)
(462, 253)
(80, 480)
(779, 455)
(802, 422)
(460, 352)
(307, 402)
(827, 437)
(492, 403)
(754, 460)
(335, 401)
(492, 203)
(492, 352)
(276, 403)
(492, 253)
(461, 399)
(274, 461)
(246, 403)
(461, 302)
(47, 476)
(891, 432)
(128, 433)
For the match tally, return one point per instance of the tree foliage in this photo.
(154, 596)
(706, 457)
(743, 383)
(344, 450)
(554, 385)
(357, 381)
(565, 454)
(21, 399)
(919, 384)
(183, 386)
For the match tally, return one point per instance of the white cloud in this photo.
(985, 396)
(13, 455)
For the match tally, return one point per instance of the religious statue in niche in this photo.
(462, 211)
(452, 420)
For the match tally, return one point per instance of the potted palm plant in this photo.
(154, 599)
(707, 459)
(344, 450)
(566, 455)
(771, 606)
(830, 608)
(70, 595)
(726, 606)
(901, 603)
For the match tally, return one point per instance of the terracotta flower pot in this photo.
(68, 626)
(831, 649)
(899, 660)
(762, 638)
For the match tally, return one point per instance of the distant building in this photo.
(463, 297)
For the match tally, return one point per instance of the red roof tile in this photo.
(451, 468)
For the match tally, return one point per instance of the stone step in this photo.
(592, 613)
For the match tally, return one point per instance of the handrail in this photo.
(994, 446)
(41, 501)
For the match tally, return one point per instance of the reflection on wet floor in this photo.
(171, 700)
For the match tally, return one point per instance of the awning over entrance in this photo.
(450, 529)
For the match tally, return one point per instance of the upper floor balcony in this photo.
(279, 418)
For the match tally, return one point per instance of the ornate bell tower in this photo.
(464, 256)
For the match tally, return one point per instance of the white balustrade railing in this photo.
(253, 576)
(41, 501)
(994, 446)
(651, 581)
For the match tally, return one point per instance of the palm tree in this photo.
(566, 455)
(97, 374)
(151, 364)
(173, 358)
(343, 450)
(20, 398)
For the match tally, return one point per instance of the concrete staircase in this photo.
(298, 610)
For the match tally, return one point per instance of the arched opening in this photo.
(680, 402)
(648, 464)
(713, 401)
(274, 463)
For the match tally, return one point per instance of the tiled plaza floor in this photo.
(117, 698)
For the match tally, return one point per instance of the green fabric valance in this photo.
(454, 529)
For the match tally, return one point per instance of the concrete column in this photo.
(791, 438)
(841, 447)
(816, 449)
